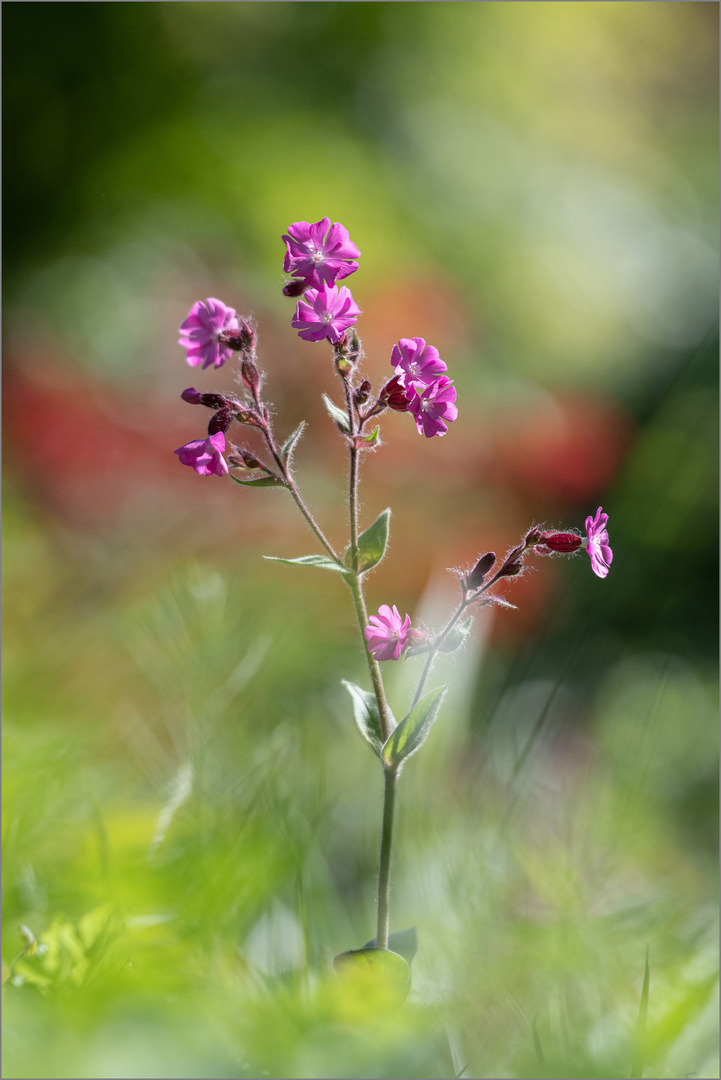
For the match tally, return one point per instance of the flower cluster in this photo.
(429, 394)
(318, 256)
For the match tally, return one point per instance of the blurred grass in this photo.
(190, 821)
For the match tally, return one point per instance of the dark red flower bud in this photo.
(479, 571)
(564, 542)
(244, 458)
(393, 395)
(295, 288)
(363, 392)
(250, 375)
(247, 335)
(216, 401)
(221, 421)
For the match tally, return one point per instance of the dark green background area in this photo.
(190, 819)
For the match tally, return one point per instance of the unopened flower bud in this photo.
(533, 537)
(248, 416)
(239, 339)
(233, 339)
(211, 401)
(565, 542)
(192, 396)
(244, 458)
(363, 392)
(343, 365)
(355, 345)
(512, 563)
(393, 395)
(221, 421)
(250, 375)
(247, 335)
(295, 288)
(479, 571)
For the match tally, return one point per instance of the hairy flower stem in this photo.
(430, 659)
(384, 873)
(375, 671)
(390, 774)
(293, 489)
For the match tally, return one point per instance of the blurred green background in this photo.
(190, 819)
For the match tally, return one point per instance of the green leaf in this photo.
(457, 636)
(639, 1042)
(371, 544)
(339, 415)
(404, 942)
(412, 731)
(290, 443)
(323, 562)
(263, 481)
(374, 971)
(365, 714)
(374, 436)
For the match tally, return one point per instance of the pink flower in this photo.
(205, 455)
(325, 313)
(387, 634)
(597, 545)
(417, 362)
(200, 332)
(321, 254)
(433, 408)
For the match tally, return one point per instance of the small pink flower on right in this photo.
(597, 545)
(387, 634)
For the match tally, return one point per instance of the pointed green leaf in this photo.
(639, 1043)
(374, 436)
(290, 443)
(263, 481)
(323, 562)
(372, 543)
(412, 731)
(457, 636)
(365, 714)
(339, 415)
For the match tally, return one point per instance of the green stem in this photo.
(384, 873)
(390, 774)
(293, 489)
(375, 671)
(310, 519)
(430, 659)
